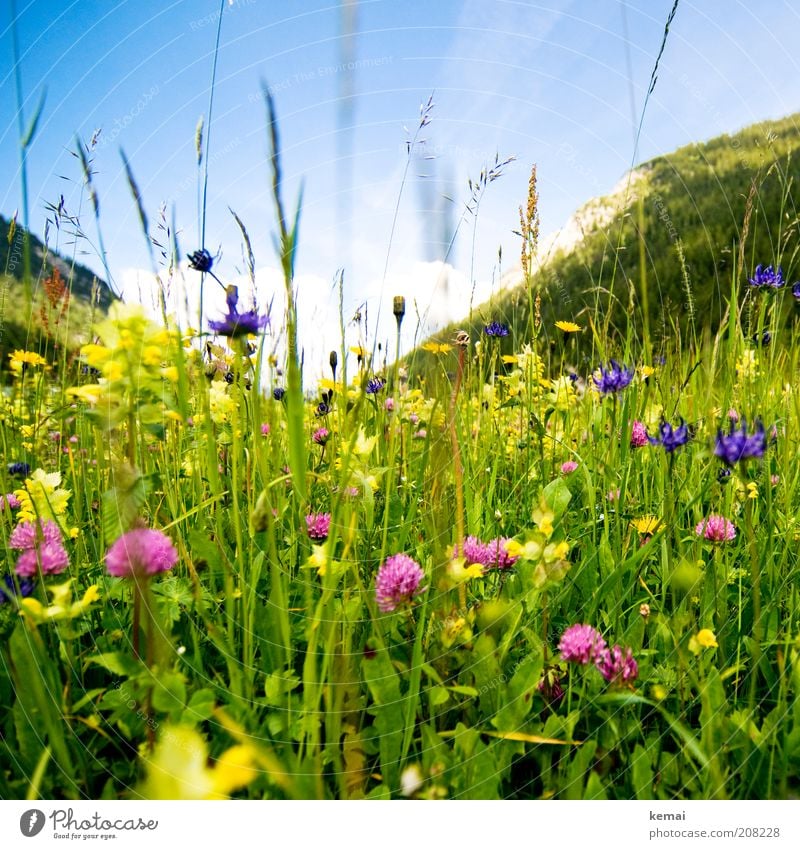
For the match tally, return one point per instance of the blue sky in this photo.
(548, 83)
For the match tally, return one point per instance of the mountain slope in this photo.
(690, 207)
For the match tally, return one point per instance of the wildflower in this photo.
(49, 558)
(474, 551)
(265, 429)
(613, 495)
(421, 434)
(411, 779)
(568, 326)
(707, 638)
(9, 502)
(62, 607)
(747, 365)
(278, 392)
(21, 360)
(716, 529)
(141, 552)
(498, 555)
(398, 581)
(569, 467)
(200, 260)
(375, 385)
(647, 525)
(28, 535)
(318, 525)
(550, 686)
(388, 405)
(644, 610)
(236, 324)
(581, 644)
(670, 438)
(322, 409)
(321, 435)
(613, 379)
(740, 445)
(437, 347)
(496, 329)
(639, 437)
(796, 290)
(767, 278)
(617, 667)
(19, 470)
(11, 591)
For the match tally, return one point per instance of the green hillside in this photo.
(690, 208)
(56, 310)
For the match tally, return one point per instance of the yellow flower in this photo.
(20, 360)
(437, 347)
(543, 518)
(646, 371)
(179, 767)
(42, 497)
(457, 572)
(707, 638)
(62, 607)
(568, 326)
(359, 351)
(647, 525)
(752, 489)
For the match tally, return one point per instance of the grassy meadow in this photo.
(551, 554)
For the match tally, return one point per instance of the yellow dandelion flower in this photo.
(20, 360)
(646, 371)
(359, 351)
(568, 326)
(647, 525)
(437, 347)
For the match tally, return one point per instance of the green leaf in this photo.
(557, 496)
(201, 705)
(117, 662)
(169, 692)
(121, 504)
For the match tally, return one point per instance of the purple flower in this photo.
(19, 470)
(581, 644)
(613, 379)
(322, 410)
(767, 278)
(9, 591)
(200, 260)
(236, 324)
(278, 392)
(796, 290)
(740, 445)
(321, 435)
(616, 666)
(398, 581)
(496, 329)
(29, 535)
(49, 559)
(569, 467)
(141, 552)
(375, 385)
(670, 438)
(475, 551)
(498, 556)
(639, 437)
(9, 502)
(318, 525)
(716, 528)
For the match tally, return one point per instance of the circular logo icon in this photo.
(31, 822)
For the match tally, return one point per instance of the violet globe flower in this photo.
(670, 438)
(739, 445)
(318, 525)
(581, 644)
(140, 553)
(716, 529)
(496, 329)
(616, 666)
(398, 582)
(613, 379)
(236, 324)
(767, 278)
